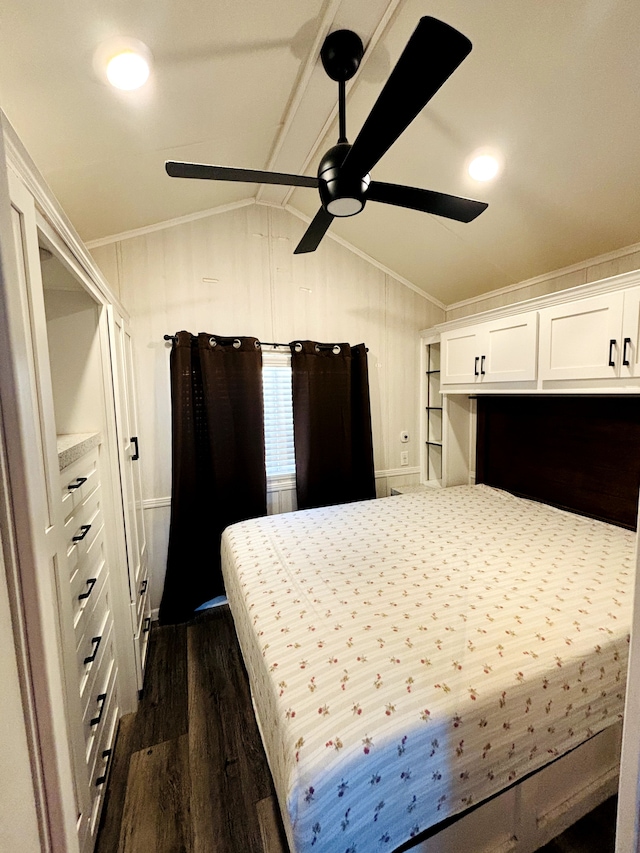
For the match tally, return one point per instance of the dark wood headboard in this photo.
(578, 453)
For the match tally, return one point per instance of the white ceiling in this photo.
(554, 85)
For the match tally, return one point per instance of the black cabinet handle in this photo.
(612, 343)
(92, 656)
(85, 528)
(143, 586)
(90, 583)
(625, 357)
(147, 625)
(102, 779)
(482, 365)
(79, 481)
(101, 700)
(136, 455)
(475, 368)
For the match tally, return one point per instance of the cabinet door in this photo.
(460, 351)
(509, 347)
(582, 339)
(630, 333)
(129, 453)
(499, 351)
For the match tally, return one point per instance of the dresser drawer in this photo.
(81, 528)
(78, 480)
(98, 711)
(84, 613)
(102, 758)
(90, 644)
(86, 580)
(94, 686)
(142, 599)
(141, 639)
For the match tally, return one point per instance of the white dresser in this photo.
(87, 626)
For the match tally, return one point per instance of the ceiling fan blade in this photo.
(225, 173)
(314, 233)
(451, 206)
(431, 55)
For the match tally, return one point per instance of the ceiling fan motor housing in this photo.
(341, 194)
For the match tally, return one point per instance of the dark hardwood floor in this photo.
(189, 773)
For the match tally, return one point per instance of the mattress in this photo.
(411, 656)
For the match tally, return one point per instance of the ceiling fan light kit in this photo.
(431, 55)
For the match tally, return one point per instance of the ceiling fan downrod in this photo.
(341, 194)
(341, 54)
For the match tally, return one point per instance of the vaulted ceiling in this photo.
(555, 86)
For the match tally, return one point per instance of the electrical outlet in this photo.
(404, 436)
(404, 457)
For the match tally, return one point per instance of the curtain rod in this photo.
(174, 338)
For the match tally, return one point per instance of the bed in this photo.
(414, 656)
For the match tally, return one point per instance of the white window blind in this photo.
(278, 415)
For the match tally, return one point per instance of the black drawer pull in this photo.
(102, 779)
(143, 586)
(101, 700)
(475, 368)
(482, 372)
(612, 343)
(79, 481)
(93, 654)
(90, 583)
(147, 625)
(136, 454)
(85, 528)
(625, 357)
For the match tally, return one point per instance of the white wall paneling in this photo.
(593, 269)
(234, 273)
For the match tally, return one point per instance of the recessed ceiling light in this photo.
(127, 70)
(123, 62)
(484, 166)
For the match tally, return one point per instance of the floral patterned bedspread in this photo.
(413, 655)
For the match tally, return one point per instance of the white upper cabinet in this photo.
(630, 336)
(594, 338)
(502, 350)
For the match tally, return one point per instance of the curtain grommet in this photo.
(317, 348)
(237, 343)
(257, 344)
(213, 342)
(336, 350)
(298, 347)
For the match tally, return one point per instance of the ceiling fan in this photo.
(431, 55)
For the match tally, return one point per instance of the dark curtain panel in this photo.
(218, 474)
(331, 424)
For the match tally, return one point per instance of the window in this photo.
(278, 417)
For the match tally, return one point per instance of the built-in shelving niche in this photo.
(74, 341)
(432, 468)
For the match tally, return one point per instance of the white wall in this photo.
(234, 273)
